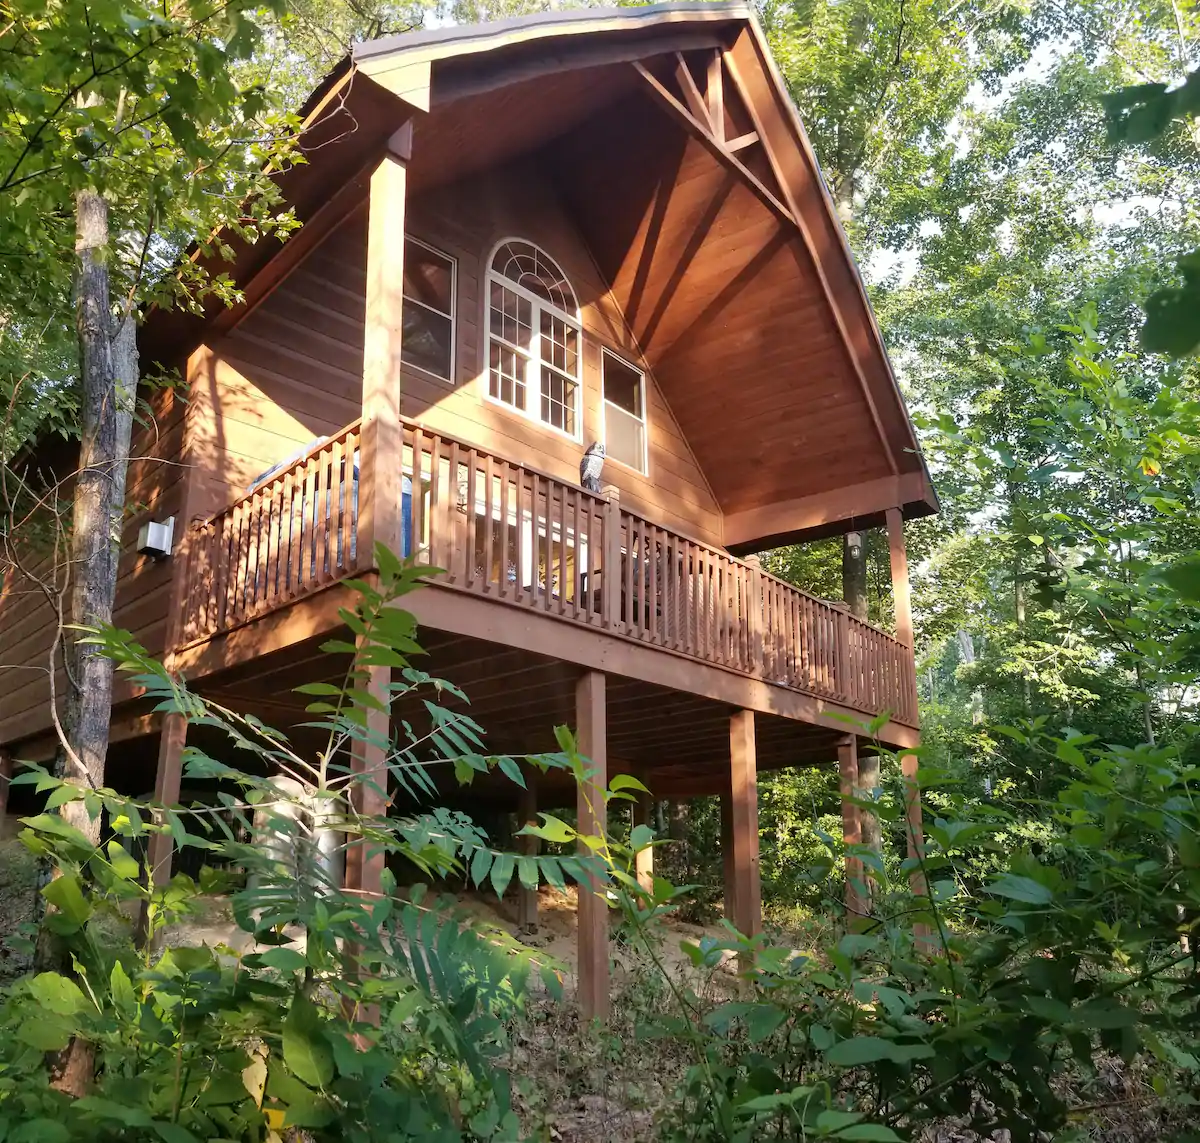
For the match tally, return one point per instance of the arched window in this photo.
(533, 336)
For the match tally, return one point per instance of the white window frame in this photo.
(534, 362)
(453, 315)
(645, 418)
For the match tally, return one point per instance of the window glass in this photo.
(534, 337)
(624, 413)
(427, 316)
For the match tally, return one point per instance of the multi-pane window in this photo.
(428, 312)
(624, 412)
(533, 337)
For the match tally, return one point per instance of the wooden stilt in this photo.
(527, 899)
(851, 823)
(643, 863)
(171, 742)
(592, 733)
(368, 761)
(902, 604)
(744, 823)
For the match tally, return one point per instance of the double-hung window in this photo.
(534, 336)
(427, 316)
(624, 412)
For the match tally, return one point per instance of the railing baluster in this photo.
(472, 523)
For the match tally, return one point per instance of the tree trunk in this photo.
(854, 573)
(109, 369)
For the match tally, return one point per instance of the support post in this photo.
(643, 862)
(380, 495)
(592, 736)
(727, 866)
(171, 741)
(527, 899)
(902, 603)
(851, 823)
(743, 772)
(368, 795)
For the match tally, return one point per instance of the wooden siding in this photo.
(291, 371)
(27, 620)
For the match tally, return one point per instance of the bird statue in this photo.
(591, 466)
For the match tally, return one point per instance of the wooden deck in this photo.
(503, 532)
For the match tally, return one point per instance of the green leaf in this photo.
(50, 1035)
(1020, 888)
(56, 993)
(502, 872)
(626, 782)
(305, 1049)
(122, 862)
(762, 1020)
(872, 1049)
(123, 996)
(552, 829)
(65, 894)
(869, 1133)
(284, 959)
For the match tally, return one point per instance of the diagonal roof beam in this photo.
(703, 134)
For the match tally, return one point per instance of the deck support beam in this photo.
(167, 777)
(851, 823)
(368, 792)
(902, 605)
(592, 738)
(527, 899)
(742, 862)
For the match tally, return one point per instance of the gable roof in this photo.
(710, 221)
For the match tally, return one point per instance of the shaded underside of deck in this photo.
(678, 742)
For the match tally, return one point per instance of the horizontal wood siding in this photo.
(154, 487)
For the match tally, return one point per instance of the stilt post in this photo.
(743, 812)
(592, 737)
(643, 862)
(851, 822)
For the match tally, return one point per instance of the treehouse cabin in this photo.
(521, 239)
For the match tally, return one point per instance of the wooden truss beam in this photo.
(702, 131)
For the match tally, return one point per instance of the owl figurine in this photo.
(591, 466)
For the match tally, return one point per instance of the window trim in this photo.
(538, 303)
(645, 417)
(452, 315)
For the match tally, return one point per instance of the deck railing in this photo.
(512, 533)
(294, 532)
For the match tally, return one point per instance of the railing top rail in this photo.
(304, 458)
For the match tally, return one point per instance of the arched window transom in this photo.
(534, 336)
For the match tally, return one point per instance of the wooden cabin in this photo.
(519, 239)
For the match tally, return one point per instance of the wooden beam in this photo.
(691, 94)
(872, 833)
(743, 783)
(715, 94)
(741, 142)
(172, 740)
(727, 865)
(369, 791)
(527, 899)
(851, 823)
(717, 149)
(592, 953)
(382, 437)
